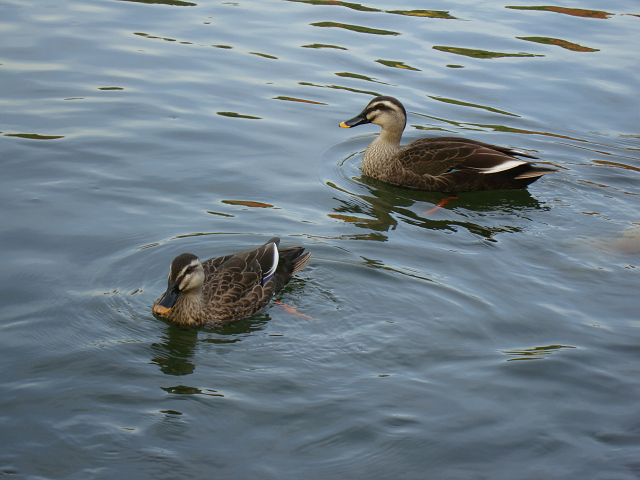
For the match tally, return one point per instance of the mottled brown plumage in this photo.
(440, 164)
(221, 290)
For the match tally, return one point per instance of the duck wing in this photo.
(451, 164)
(436, 156)
(232, 278)
(499, 148)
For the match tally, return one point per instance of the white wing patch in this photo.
(503, 167)
(268, 275)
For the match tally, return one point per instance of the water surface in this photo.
(495, 337)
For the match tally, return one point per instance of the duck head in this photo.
(387, 112)
(186, 276)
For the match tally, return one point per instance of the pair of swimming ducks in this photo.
(220, 290)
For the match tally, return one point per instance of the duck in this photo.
(438, 164)
(224, 289)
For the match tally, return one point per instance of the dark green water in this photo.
(495, 338)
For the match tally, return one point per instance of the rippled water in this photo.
(496, 337)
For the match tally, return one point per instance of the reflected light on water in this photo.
(535, 353)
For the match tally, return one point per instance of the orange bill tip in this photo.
(160, 310)
(344, 125)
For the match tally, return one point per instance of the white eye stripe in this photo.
(190, 278)
(194, 263)
(183, 274)
(384, 104)
(390, 105)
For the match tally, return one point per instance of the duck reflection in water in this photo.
(173, 354)
(385, 206)
(175, 351)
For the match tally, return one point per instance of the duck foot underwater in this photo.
(441, 204)
(291, 310)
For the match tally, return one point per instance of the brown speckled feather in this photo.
(231, 287)
(449, 164)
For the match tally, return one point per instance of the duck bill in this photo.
(168, 300)
(359, 120)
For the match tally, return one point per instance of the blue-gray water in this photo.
(495, 338)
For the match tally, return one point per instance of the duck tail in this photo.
(534, 173)
(301, 262)
(294, 258)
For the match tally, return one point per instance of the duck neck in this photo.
(391, 136)
(381, 149)
(190, 307)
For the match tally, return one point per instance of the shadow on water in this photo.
(175, 351)
(384, 206)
